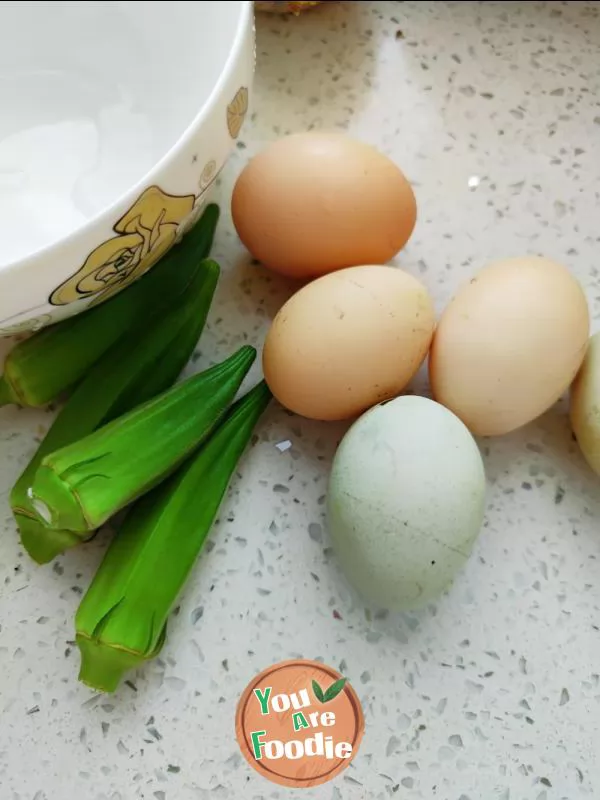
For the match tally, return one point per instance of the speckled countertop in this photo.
(493, 111)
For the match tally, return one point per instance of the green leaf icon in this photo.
(334, 690)
(318, 692)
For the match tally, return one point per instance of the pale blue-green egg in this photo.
(406, 501)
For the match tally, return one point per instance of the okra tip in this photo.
(260, 393)
(212, 268)
(245, 353)
(212, 211)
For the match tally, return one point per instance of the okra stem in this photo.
(104, 669)
(43, 543)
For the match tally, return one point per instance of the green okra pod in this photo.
(81, 486)
(135, 369)
(121, 621)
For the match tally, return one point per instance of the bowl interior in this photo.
(93, 94)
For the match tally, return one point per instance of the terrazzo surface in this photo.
(493, 693)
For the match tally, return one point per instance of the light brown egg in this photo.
(509, 344)
(312, 203)
(347, 341)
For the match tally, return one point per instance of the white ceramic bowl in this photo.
(115, 119)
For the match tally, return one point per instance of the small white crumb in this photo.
(473, 181)
(283, 446)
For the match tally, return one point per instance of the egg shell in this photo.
(585, 405)
(509, 344)
(315, 202)
(405, 501)
(348, 340)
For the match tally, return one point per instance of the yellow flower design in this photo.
(236, 112)
(145, 233)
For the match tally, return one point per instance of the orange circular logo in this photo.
(299, 723)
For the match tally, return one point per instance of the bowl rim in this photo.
(107, 215)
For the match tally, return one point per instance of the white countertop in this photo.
(493, 111)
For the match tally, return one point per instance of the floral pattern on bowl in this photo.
(144, 234)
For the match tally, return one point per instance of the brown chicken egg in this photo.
(312, 203)
(509, 344)
(347, 341)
